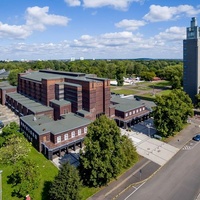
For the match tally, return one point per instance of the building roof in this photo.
(51, 74)
(60, 102)
(32, 105)
(43, 124)
(124, 105)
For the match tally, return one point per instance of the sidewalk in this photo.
(145, 168)
(140, 172)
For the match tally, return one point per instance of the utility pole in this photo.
(0, 185)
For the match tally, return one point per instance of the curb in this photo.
(140, 182)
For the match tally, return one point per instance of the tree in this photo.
(171, 112)
(9, 129)
(147, 76)
(120, 73)
(13, 76)
(25, 178)
(197, 102)
(106, 153)
(15, 148)
(66, 185)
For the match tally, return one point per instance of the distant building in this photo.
(191, 60)
(56, 107)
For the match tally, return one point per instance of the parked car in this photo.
(1, 124)
(196, 137)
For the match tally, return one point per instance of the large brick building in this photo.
(55, 107)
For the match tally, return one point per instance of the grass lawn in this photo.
(46, 168)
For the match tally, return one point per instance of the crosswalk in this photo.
(190, 145)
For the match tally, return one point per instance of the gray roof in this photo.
(60, 102)
(39, 75)
(43, 124)
(124, 105)
(28, 103)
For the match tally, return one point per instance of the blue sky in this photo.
(99, 29)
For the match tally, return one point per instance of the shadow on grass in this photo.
(45, 191)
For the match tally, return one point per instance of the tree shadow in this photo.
(45, 191)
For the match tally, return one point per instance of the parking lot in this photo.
(7, 116)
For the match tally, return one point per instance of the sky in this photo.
(94, 29)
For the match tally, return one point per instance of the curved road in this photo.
(179, 179)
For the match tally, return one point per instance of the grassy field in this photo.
(143, 89)
(47, 170)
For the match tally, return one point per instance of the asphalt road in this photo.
(179, 179)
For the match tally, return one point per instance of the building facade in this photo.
(55, 108)
(191, 60)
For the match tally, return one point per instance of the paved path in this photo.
(150, 148)
(133, 178)
(7, 116)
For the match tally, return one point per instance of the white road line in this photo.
(134, 191)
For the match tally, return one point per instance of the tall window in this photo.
(66, 136)
(73, 134)
(85, 130)
(58, 139)
(79, 131)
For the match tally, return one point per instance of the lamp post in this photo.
(0, 185)
(149, 126)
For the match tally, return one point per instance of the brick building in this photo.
(55, 107)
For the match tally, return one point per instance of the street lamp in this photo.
(0, 185)
(149, 126)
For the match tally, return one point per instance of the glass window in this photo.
(130, 113)
(66, 136)
(73, 134)
(79, 131)
(58, 139)
(85, 130)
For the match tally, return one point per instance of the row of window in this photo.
(73, 134)
(27, 129)
(134, 112)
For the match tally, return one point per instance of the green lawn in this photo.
(46, 168)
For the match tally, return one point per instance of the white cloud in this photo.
(130, 25)
(73, 2)
(172, 34)
(14, 31)
(123, 44)
(163, 13)
(36, 19)
(117, 4)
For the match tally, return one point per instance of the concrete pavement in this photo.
(151, 161)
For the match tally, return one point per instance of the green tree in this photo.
(120, 73)
(171, 112)
(66, 185)
(9, 129)
(15, 148)
(25, 178)
(197, 98)
(13, 76)
(147, 76)
(106, 153)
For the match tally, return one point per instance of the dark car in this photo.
(196, 137)
(1, 125)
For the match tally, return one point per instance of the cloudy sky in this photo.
(100, 29)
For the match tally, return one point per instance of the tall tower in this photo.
(191, 60)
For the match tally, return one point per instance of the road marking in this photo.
(134, 191)
(128, 178)
(188, 147)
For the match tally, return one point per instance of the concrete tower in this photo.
(191, 60)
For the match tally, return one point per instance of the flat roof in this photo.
(43, 124)
(45, 74)
(29, 103)
(124, 105)
(60, 102)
